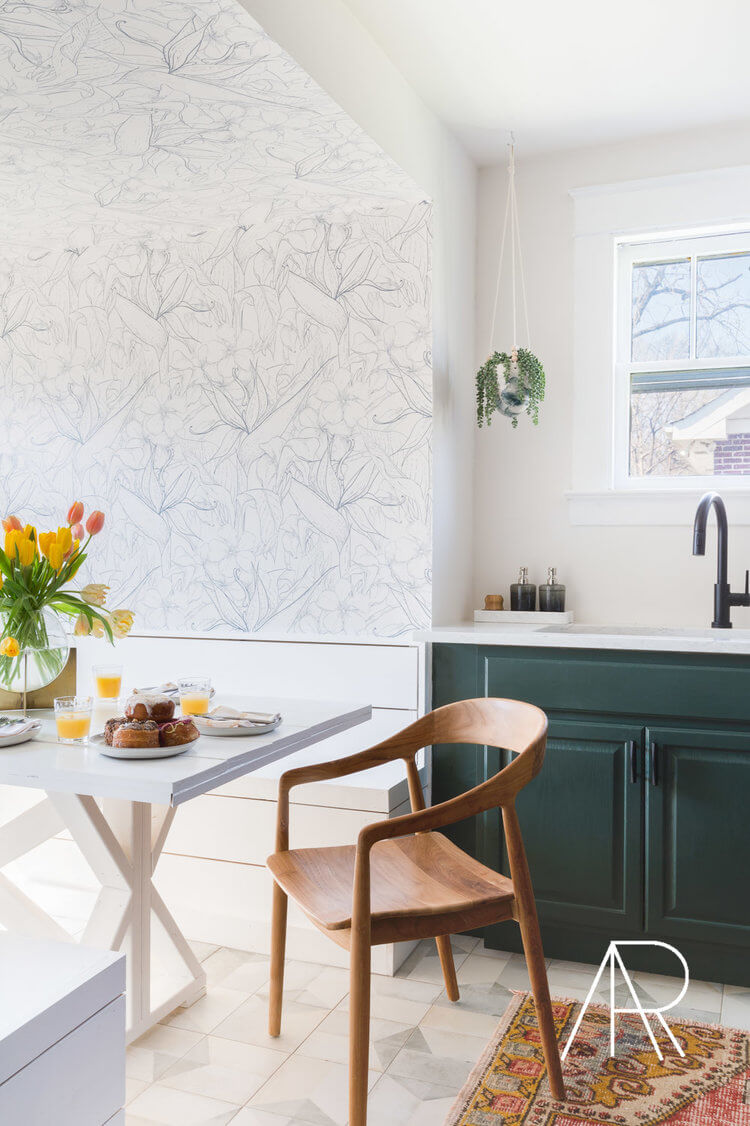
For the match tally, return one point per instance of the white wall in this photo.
(336, 50)
(625, 575)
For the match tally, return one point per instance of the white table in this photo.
(119, 814)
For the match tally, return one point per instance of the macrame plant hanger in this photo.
(524, 375)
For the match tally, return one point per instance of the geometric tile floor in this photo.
(213, 1063)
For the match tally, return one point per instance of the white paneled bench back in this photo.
(212, 873)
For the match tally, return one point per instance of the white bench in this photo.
(62, 1034)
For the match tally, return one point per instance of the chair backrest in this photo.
(508, 724)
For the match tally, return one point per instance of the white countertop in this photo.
(47, 764)
(654, 638)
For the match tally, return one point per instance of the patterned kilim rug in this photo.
(710, 1086)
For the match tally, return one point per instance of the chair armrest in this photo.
(421, 821)
(397, 746)
(499, 791)
(394, 748)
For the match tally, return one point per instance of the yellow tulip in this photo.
(95, 594)
(97, 628)
(56, 556)
(46, 539)
(29, 532)
(65, 539)
(26, 552)
(12, 539)
(9, 647)
(82, 627)
(121, 622)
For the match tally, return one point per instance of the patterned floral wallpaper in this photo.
(214, 323)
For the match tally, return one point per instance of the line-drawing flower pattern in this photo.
(214, 321)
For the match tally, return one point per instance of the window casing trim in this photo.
(702, 206)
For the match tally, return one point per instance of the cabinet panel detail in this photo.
(581, 820)
(698, 837)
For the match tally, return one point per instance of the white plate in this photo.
(138, 752)
(11, 740)
(256, 729)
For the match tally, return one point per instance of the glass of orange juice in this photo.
(73, 718)
(108, 681)
(195, 694)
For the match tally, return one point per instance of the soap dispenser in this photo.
(523, 593)
(552, 593)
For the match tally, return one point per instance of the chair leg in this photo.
(525, 913)
(359, 1029)
(532, 948)
(446, 963)
(278, 950)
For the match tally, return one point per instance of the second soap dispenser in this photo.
(552, 593)
(523, 593)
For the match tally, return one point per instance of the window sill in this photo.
(669, 507)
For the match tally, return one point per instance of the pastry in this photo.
(178, 732)
(111, 726)
(136, 733)
(149, 705)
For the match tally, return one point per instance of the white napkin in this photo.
(230, 717)
(168, 689)
(19, 726)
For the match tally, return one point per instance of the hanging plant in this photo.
(523, 374)
(523, 390)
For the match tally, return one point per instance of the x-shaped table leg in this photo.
(122, 842)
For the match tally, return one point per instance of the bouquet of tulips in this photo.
(36, 569)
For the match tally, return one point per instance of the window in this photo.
(682, 397)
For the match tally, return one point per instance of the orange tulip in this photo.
(77, 531)
(12, 524)
(75, 512)
(95, 522)
(9, 647)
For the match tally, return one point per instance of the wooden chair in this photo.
(403, 880)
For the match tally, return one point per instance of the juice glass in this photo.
(73, 718)
(108, 681)
(195, 694)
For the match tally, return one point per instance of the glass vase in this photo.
(44, 650)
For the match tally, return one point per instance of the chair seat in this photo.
(411, 877)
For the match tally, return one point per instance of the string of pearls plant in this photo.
(524, 386)
(523, 374)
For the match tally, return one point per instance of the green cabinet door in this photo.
(581, 820)
(698, 836)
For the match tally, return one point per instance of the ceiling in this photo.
(562, 75)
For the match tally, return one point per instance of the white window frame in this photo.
(606, 217)
(665, 249)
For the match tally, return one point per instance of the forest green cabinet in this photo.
(698, 829)
(638, 825)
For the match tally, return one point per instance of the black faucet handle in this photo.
(747, 584)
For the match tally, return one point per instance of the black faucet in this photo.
(723, 596)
